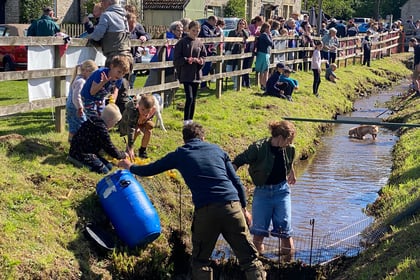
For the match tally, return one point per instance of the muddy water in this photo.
(345, 174)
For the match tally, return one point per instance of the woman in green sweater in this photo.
(270, 163)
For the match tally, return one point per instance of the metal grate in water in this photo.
(312, 249)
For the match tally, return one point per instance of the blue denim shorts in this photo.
(272, 205)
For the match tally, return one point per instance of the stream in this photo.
(335, 186)
(342, 178)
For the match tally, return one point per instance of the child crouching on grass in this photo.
(92, 137)
(137, 118)
(330, 73)
(74, 106)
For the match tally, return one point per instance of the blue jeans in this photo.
(272, 203)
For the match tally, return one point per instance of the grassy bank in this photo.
(46, 201)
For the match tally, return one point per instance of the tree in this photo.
(360, 8)
(235, 8)
(32, 9)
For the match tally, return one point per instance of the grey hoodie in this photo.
(112, 29)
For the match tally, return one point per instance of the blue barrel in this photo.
(127, 205)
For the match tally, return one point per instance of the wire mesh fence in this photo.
(309, 248)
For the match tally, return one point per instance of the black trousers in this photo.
(317, 81)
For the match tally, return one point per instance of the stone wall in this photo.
(12, 12)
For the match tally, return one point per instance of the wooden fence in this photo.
(75, 29)
(349, 53)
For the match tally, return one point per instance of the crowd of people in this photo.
(98, 101)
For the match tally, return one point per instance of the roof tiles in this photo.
(164, 4)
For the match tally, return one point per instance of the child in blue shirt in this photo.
(288, 84)
(103, 82)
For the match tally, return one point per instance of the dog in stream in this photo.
(359, 132)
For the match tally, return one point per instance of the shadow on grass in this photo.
(34, 122)
(86, 250)
(33, 148)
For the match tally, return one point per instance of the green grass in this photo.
(45, 201)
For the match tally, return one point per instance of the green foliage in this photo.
(32, 9)
(235, 8)
(358, 8)
(88, 5)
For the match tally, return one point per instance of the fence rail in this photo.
(75, 29)
(348, 53)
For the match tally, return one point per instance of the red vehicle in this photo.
(13, 57)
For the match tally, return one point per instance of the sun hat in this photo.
(111, 115)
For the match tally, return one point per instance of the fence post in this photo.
(219, 70)
(59, 91)
(355, 54)
(162, 71)
(240, 67)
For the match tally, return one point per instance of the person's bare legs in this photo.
(147, 134)
(258, 242)
(287, 249)
(263, 78)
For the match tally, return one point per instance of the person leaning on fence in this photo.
(209, 30)
(330, 46)
(254, 30)
(270, 165)
(185, 23)
(352, 29)
(74, 105)
(112, 32)
(175, 31)
(275, 27)
(416, 64)
(93, 138)
(219, 201)
(44, 26)
(323, 30)
(189, 58)
(306, 42)
(137, 32)
(104, 82)
(91, 22)
(236, 48)
(262, 62)
(366, 46)
(327, 46)
(291, 42)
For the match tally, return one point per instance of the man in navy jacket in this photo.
(219, 199)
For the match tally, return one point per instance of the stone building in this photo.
(162, 12)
